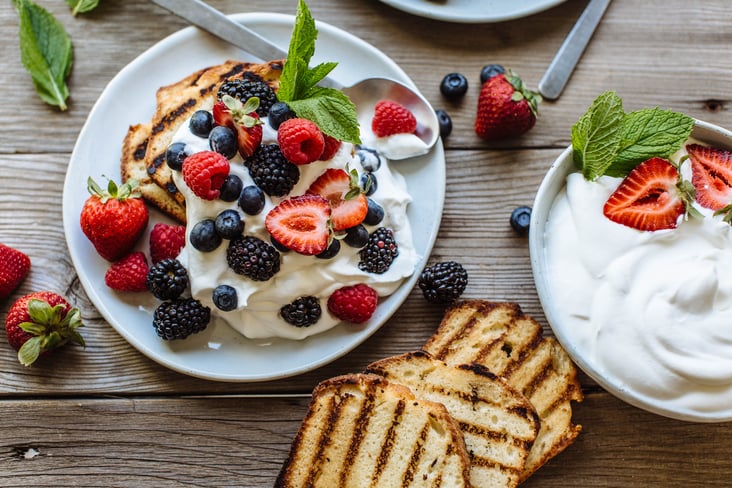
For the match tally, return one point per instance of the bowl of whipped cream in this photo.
(646, 314)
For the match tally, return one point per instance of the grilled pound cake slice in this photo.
(510, 344)
(364, 431)
(498, 423)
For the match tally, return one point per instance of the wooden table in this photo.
(109, 416)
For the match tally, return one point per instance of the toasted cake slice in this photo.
(510, 344)
(364, 431)
(498, 423)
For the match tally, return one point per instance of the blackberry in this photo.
(167, 279)
(443, 282)
(248, 87)
(252, 257)
(380, 251)
(177, 319)
(303, 312)
(271, 172)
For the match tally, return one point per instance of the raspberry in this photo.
(392, 118)
(331, 147)
(166, 241)
(354, 304)
(205, 172)
(128, 274)
(300, 141)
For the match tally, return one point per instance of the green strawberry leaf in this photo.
(29, 352)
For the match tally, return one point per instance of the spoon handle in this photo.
(563, 64)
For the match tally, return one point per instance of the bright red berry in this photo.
(348, 204)
(506, 108)
(40, 322)
(128, 274)
(330, 148)
(300, 140)
(301, 224)
(14, 266)
(166, 241)
(243, 120)
(204, 173)
(354, 304)
(392, 118)
(711, 175)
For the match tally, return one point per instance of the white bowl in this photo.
(552, 184)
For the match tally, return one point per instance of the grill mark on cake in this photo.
(173, 115)
(359, 430)
(416, 456)
(525, 352)
(140, 150)
(388, 445)
(543, 374)
(333, 407)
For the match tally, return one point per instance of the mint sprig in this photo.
(329, 108)
(82, 6)
(608, 141)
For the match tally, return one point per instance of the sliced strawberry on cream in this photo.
(647, 199)
(711, 175)
(348, 203)
(301, 223)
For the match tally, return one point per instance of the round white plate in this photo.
(220, 353)
(472, 11)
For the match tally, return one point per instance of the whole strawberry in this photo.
(40, 322)
(113, 219)
(14, 266)
(506, 108)
(128, 274)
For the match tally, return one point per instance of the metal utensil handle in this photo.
(563, 64)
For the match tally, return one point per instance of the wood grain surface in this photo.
(107, 415)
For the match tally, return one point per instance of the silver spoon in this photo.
(363, 94)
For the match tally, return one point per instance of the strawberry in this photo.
(392, 118)
(113, 219)
(506, 108)
(128, 274)
(348, 204)
(166, 241)
(242, 118)
(354, 304)
(300, 141)
(40, 322)
(301, 224)
(648, 198)
(14, 266)
(711, 175)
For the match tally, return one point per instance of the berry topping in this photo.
(647, 199)
(300, 140)
(454, 86)
(252, 257)
(223, 141)
(180, 318)
(251, 200)
(375, 213)
(14, 266)
(357, 236)
(348, 205)
(711, 175)
(301, 223)
(369, 158)
(243, 120)
(175, 155)
(167, 279)
(368, 183)
(166, 241)
(229, 224)
(201, 123)
(489, 71)
(271, 171)
(205, 172)
(204, 237)
(330, 148)
(506, 108)
(278, 113)
(354, 304)
(392, 118)
(128, 274)
(520, 220)
(225, 298)
(302, 312)
(331, 251)
(231, 188)
(443, 282)
(249, 87)
(380, 251)
(443, 118)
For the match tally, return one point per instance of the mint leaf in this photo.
(332, 111)
(299, 53)
(46, 52)
(648, 133)
(82, 6)
(595, 136)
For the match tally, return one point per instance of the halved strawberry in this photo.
(647, 199)
(711, 175)
(301, 224)
(348, 204)
(242, 119)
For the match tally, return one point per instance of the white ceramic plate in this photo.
(472, 11)
(219, 353)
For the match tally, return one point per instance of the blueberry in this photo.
(175, 155)
(369, 158)
(520, 219)
(278, 113)
(204, 237)
(489, 71)
(229, 224)
(357, 236)
(375, 214)
(369, 183)
(201, 123)
(331, 250)
(225, 298)
(251, 200)
(230, 188)
(223, 141)
(454, 86)
(443, 118)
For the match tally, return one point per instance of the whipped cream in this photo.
(651, 310)
(257, 315)
(394, 147)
